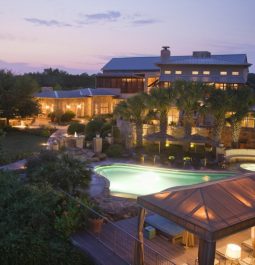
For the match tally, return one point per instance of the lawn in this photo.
(19, 145)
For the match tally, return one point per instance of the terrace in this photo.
(200, 210)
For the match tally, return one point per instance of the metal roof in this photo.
(132, 64)
(151, 63)
(78, 93)
(204, 79)
(212, 210)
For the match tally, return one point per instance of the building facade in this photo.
(139, 74)
(83, 102)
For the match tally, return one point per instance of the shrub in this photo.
(115, 150)
(76, 127)
(67, 116)
(93, 127)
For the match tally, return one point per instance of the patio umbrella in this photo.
(158, 136)
(198, 139)
(139, 250)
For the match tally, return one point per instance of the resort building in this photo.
(83, 102)
(138, 74)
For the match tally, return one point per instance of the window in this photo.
(104, 108)
(167, 72)
(195, 72)
(166, 84)
(206, 72)
(235, 73)
(178, 72)
(223, 73)
(101, 108)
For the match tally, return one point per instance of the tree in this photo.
(161, 100)
(189, 100)
(16, 96)
(241, 101)
(217, 105)
(33, 226)
(134, 109)
(62, 171)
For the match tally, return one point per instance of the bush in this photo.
(76, 127)
(93, 127)
(115, 150)
(67, 116)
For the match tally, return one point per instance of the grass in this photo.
(19, 145)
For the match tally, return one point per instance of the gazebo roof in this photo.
(212, 210)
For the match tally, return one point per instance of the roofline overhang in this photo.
(195, 227)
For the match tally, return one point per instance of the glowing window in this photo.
(166, 84)
(178, 72)
(223, 73)
(167, 72)
(206, 72)
(195, 72)
(235, 73)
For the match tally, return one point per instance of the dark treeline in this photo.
(251, 80)
(59, 79)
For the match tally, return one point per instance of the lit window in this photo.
(166, 84)
(206, 72)
(223, 73)
(195, 72)
(167, 72)
(178, 72)
(235, 73)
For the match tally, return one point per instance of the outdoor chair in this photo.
(165, 227)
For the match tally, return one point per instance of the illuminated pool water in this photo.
(127, 180)
(248, 166)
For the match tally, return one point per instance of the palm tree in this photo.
(134, 110)
(161, 100)
(242, 100)
(189, 100)
(217, 105)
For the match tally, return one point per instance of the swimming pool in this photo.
(128, 180)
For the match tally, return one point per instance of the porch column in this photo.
(206, 252)
(139, 248)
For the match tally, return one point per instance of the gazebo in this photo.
(211, 210)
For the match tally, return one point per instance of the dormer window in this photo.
(195, 72)
(235, 73)
(206, 72)
(178, 72)
(167, 72)
(223, 73)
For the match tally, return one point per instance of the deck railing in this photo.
(121, 242)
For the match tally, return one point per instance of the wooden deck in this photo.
(122, 244)
(177, 253)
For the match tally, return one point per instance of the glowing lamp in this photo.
(47, 107)
(233, 252)
(192, 145)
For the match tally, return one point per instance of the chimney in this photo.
(165, 53)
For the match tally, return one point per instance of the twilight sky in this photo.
(82, 35)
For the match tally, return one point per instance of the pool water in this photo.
(127, 180)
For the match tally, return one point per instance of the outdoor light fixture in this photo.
(192, 145)
(233, 252)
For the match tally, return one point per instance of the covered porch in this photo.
(221, 212)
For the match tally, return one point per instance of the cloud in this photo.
(48, 23)
(142, 22)
(109, 16)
